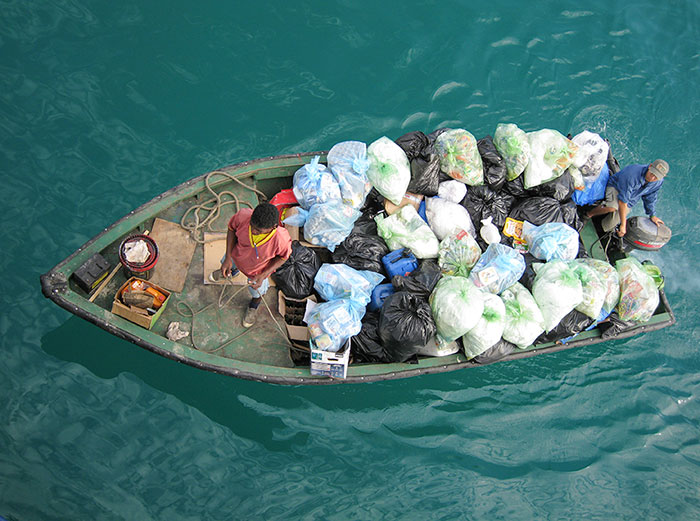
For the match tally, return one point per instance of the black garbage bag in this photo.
(569, 212)
(296, 276)
(483, 202)
(367, 345)
(362, 252)
(537, 210)
(420, 281)
(528, 276)
(494, 165)
(374, 204)
(435, 133)
(365, 225)
(405, 325)
(560, 188)
(425, 175)
(572, 323)
(425, 164)
(494, 353)
(613, 326)
(413, 143)
(516, 187)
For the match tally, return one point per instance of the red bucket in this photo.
(141, 269)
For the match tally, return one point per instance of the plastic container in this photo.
(379, 295)
(399, 262)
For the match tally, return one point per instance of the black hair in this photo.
(265, 216)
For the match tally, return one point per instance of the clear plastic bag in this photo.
(524, 321)
(639, 296)
(457, 306)
(513, 145)
(459, 156)
(498, 268)
(334, 281)
(557, 291)
(406, 229)
(332, 323)
(591, 155)
(328, 224)
(458, 253)
(488, 329)
(389, 170)
(314, 184)
(446, 218)
(593, 289)
(349, 164)
(550, 155)
(551, 241)
(609, 277)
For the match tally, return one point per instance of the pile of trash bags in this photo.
(492, 226)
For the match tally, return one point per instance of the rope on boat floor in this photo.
(212, 207)
(192, 314)
(204, 214)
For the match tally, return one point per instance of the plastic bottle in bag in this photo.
(489, 232)
(639, 295)
(349, 164)
(488, 329)
(314, 184)
(459, 156)
(405, 229)
(513, 145)
(550, 155)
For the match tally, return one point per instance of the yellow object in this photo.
(260, 238)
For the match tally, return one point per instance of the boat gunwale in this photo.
(54, 284)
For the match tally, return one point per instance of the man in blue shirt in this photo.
(625, 189)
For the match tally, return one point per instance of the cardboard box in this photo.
(147, 321)
(326, 363)
(294, 331)
(408, 198)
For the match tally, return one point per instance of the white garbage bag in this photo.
(524, 321)
(389, 170)
(557, 291)
(446, 218)
(457, 306)
(406, 229)
(550, 155)
(488, 329)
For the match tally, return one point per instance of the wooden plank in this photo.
(176, 248)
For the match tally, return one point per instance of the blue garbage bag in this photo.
(348, 162)
(332, 323)
(329, 224)
(334, 281)
(314, 183)
(551, 241)
(498, 268)
(594, 189)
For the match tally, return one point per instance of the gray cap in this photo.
(659, 168)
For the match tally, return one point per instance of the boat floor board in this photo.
(176, 248)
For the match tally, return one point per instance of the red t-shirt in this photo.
(245, 256)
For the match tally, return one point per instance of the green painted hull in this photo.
(260, 353)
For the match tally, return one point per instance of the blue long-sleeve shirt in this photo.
(632, 186)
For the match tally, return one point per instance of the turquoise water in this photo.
(105, 105)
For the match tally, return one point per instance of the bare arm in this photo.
(228, 259)
(623, 209)
(271, 267)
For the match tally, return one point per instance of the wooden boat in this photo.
(217, 341)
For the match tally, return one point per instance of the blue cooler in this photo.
(399, 262)
(379, 295)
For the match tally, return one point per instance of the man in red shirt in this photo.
(256, 246)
